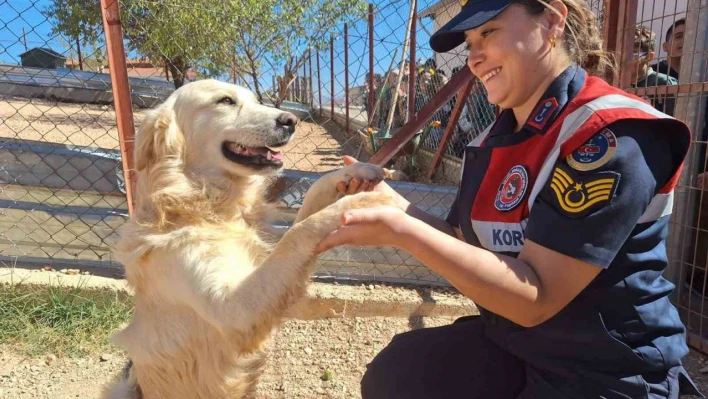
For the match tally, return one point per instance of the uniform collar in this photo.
(561, 91)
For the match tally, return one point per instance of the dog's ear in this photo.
(158, 138)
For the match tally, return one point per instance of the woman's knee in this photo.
(383, 377)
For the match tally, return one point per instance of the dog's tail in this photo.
(125, 387)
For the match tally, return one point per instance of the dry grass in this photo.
(64, 321)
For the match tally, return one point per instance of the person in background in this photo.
(365, 95)
(644, 76)
(674, 49)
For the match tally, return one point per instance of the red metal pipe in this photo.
(411, 77)
(610, 27)
(113, 30)
(346, 74)
(319, 82)
(310, 94)
(371, 63)
(411, 128)
(450, 128)
(331, 58)
(629, 22)
(296, 84)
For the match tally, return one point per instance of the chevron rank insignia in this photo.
(576, 196)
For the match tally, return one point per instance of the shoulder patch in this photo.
(576, 196)
(594, 153)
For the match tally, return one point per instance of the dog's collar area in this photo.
(255, 157)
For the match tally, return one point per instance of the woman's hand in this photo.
(378, 226)
(358, 186)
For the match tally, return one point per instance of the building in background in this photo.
(40, 57)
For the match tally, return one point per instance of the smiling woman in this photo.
(557, 232)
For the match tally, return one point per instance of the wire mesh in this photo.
(669, 68)
(62, 187)
(61, 184)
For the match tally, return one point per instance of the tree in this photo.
(277, 36)
(181, 33)
(216, 37)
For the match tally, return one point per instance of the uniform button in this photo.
(471, 156)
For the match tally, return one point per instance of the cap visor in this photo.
(452, 34)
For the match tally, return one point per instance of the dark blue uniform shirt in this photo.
(620, 335)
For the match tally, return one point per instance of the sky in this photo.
(389, 34)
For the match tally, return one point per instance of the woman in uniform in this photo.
(557, 232)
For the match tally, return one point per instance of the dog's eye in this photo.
(227, 101)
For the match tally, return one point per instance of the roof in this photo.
(46, 50)
(432, 10)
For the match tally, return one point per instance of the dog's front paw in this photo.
(330, 218)
(362, 171)
(356, 178)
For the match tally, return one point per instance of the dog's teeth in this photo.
(269, 156)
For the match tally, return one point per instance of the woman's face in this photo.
(509, 55)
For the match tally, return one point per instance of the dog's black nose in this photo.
(287, 119)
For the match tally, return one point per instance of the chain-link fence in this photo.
(665, 61)
(343, 68)
(61, 190)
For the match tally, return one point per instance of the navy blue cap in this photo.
(474, 14)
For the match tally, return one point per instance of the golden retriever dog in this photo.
(210, 290)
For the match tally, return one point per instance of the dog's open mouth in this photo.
(252, 156)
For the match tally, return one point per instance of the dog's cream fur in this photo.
(209, 289)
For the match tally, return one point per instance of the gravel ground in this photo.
(316, 147)
(303, 353)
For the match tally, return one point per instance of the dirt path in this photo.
(303, 352)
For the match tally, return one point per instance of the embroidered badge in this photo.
(512, 189)
(576, 196)
(543, 112)
(594, 153)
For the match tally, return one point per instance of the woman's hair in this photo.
(584, 42)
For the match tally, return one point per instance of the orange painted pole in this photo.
(121, 92)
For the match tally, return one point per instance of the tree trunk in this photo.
(78, 50)
(178, 69)
(284, 84)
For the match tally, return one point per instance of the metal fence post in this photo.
(411, 77)
(450, 128)
(409, 130)
(346, 74)
(110, 13)
(371, 63)
(310, 94)
(629, 22)
(331, 59)
(319, 83)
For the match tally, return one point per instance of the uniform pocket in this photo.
(635, 362)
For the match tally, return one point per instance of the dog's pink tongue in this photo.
(266, 152)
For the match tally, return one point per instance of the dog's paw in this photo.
(364, 172)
